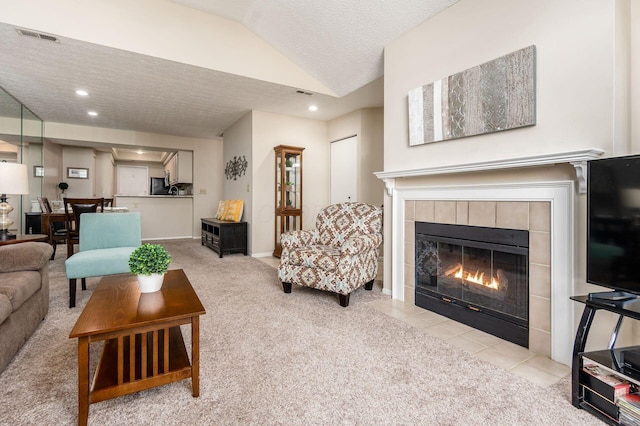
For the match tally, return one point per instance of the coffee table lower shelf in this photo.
(154, 361)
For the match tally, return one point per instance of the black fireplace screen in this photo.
(484, 268)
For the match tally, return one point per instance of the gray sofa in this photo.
(24, 294)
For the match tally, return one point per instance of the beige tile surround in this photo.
(534, 217)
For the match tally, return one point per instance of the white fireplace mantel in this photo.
(578, 159)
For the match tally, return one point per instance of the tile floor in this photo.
(520, 361)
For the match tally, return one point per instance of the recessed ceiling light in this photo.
(81, 92)
(313, 108)
(140, 152)
(92, 113)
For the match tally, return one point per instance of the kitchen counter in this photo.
(154, 196)
(163, 216)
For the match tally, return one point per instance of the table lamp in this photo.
(13, 180)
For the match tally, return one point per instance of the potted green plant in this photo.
(63, 186)
(149, 262)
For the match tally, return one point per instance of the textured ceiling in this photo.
(338, 42)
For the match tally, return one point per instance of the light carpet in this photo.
(281, 359)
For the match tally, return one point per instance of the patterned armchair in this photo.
(339, 255)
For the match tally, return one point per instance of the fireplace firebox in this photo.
(475, 275)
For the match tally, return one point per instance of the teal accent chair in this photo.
(106, 242)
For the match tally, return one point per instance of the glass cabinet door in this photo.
(288, 193)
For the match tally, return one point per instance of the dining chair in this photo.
(73, 209)
(53, 225)
(108, 202)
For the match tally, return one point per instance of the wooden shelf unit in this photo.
(288, 191)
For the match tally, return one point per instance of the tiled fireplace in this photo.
(475, 275)
(530, 216)
(544, 209)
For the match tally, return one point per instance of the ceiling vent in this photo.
(35, 34)
(304, 92)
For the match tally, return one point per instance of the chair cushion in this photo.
(319, 256)
(97, 263)
(18, 287)
(5, 308)
(108, 230)
(339, 222)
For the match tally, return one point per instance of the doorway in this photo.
(344, 170)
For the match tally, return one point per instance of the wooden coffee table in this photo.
(143, 343)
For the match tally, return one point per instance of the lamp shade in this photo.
(14, 178)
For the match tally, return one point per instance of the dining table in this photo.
(59, 215)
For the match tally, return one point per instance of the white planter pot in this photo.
(150, 283)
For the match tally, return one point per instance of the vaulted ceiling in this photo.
(338, 43)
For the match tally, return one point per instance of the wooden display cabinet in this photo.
(288, 202)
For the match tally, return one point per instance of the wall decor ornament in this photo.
(495, 96)
(236, 167)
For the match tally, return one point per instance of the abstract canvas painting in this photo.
(497, 95)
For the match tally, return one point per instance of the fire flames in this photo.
(477, 278)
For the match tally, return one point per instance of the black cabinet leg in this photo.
(578, 347)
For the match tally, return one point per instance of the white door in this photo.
(344, 170)
(133, 180)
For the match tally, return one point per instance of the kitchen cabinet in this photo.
(180, 167)
(288, 192)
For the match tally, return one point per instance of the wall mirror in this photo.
(21, 141)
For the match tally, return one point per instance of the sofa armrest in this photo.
(356, 245)
(300, 238)
(29, 256)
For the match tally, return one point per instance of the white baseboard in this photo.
(268, 254)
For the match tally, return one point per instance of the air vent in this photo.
(35, 34)
(304, 92)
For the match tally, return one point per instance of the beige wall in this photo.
(574, 89)
(52, 169)
(104, 175)
(237, 143)
(371, 189)
(585, 93)
(255, 135)
(208, 169)
(634, 71)
(270, 130)
(73, 156)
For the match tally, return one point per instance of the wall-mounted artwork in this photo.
(77, 173)
(236, 168)
(497, 95)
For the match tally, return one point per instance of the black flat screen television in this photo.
(613, 223)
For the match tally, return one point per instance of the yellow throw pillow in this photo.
(233, 210)
(220, 211)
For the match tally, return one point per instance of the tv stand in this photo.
(613, 296)
(614, 302)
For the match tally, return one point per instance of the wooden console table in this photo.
(143, 342)
(222, 236)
